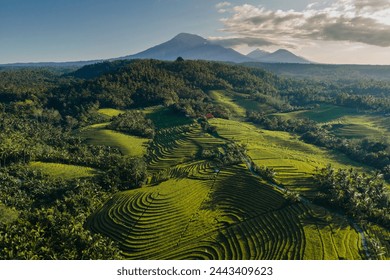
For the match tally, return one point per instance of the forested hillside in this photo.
(203, 155)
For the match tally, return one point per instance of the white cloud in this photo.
(311, 5)
(222, 7)
(372, 5)
(360, 21)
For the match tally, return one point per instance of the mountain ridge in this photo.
(279, 56)
(257, 54)
(188, 46)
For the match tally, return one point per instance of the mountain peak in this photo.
(190, 40)
(258, 51)
(190, 46)
(188, 36)
(257, 54)
(283, 51)
(279, 56)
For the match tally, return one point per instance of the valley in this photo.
(192, 160)
(194, 208)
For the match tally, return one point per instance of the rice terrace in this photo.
(189, 159)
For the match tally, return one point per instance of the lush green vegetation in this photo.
(352, 74)
(147, 159)
(133, 122)
(363, 197)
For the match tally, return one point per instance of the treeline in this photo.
(39, 212)
(46, 217)
(328, 72)
(133, 122)
(365, 96)
(361, 196)
(30, 84)
(229, 154)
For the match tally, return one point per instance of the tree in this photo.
(126, 173)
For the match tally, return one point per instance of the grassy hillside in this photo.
(293, 160)
(323, 113)
(198, 209)
(65, 171)
(129, 145)
(346, 122)
(228, 101)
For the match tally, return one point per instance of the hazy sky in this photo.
(329, 31)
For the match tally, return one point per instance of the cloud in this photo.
(362, 21)
(373, 5)
(362, 30)
(221, 7)
(236, 41)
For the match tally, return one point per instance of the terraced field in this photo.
(361, 127)
(192, 209)
(322, 114)
(293, 160)
(347, 122)
(331, 237)
(179, 145)
(129, 145)
(65, 171)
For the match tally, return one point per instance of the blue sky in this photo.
(68, 30)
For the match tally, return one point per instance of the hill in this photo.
(326, 71)
(183, 85)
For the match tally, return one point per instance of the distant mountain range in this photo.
(280, 56)
(189, 46)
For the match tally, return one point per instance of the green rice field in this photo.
(346, 122)
(129, 145)
(193, 210)
(66, 171)
(293, 160)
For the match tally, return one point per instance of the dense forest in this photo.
(42, 108)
